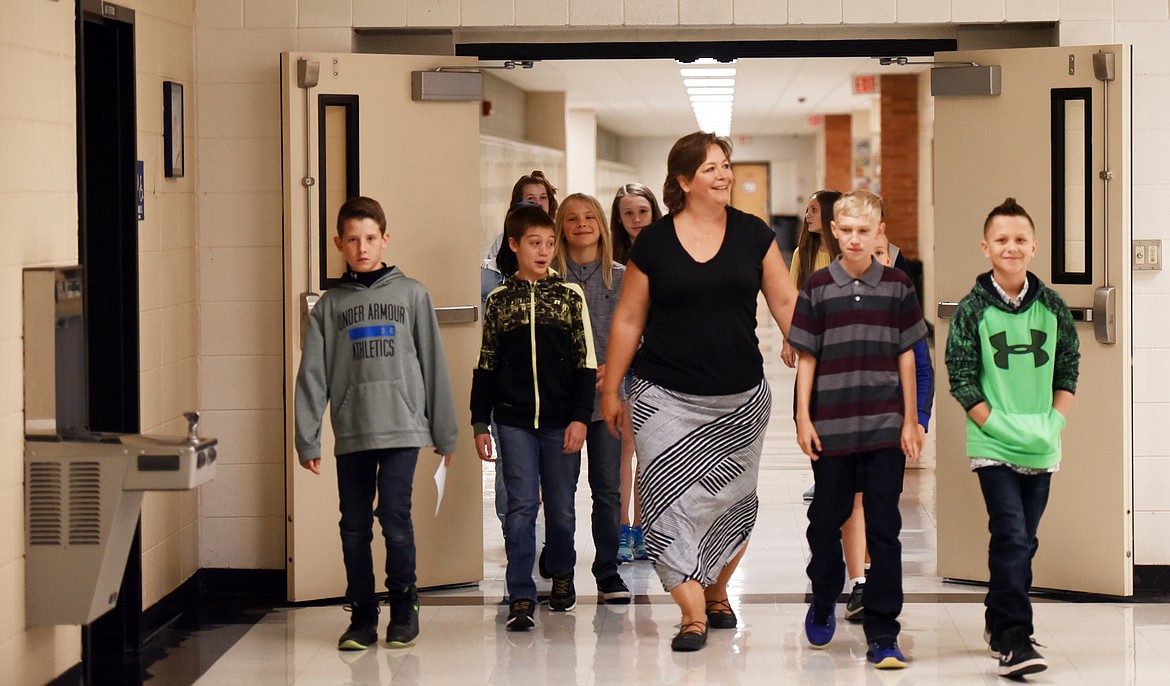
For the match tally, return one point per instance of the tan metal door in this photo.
(986, 149)
(750, 192)
(420, 160)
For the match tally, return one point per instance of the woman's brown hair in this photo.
(685, 158)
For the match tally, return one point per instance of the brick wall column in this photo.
(899, 160)
(839, 152)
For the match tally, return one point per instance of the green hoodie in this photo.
(1014, 359)
(375, 355)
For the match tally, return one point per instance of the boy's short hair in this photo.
(859, 204)
(1007, 208)
(360, 207)
(523, 217)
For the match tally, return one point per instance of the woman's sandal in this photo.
(720, 615)
(691, 637)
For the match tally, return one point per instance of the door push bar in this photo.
(946, 310)
(463, 314)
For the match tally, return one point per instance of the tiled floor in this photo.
(463, 641)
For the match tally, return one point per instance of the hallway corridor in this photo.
(463, 640)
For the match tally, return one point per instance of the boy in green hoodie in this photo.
(372, 351)
(1012, 356)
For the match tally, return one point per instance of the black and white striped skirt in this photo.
(698, 467)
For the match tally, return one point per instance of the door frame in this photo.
(107, 234)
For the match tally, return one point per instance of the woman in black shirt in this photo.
(699, 400)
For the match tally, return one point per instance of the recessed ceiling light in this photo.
(712, 98)
(710, 91)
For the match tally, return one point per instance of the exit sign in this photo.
(815, 120)
(865, 85)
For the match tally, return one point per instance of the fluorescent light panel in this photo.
(707, 72)
(712, 94)
(708, 82)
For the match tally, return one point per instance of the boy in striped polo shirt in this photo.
(855, 325)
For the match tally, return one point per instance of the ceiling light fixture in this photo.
(708, 82)
(707, 71)
(712, 94)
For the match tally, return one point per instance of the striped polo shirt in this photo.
(856, 328)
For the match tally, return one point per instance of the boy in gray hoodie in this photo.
(372, 351)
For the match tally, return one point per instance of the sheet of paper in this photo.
(440, 482)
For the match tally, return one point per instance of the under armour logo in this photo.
(1003, 350)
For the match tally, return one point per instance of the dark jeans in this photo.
(501, 489)
(877, 475)
(388, 472)
(1015, 502)
(604, 453)
(536, 465)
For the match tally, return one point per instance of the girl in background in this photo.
(584, 256)
(634, 208)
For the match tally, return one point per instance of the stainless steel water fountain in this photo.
(83, 489)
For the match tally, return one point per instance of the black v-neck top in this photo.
(700, 334)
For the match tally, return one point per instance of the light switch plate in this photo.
(1147, 255)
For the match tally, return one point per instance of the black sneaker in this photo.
(520, 615)
(564, 594)
(613, 590)
(403, 628)
(992, 644)
(363, 626)
(855, 606)
(1017, 657)
(540, 566)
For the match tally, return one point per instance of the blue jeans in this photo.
(536, 465)
(501, 489)
(605, 480)
(876, 474)
(1015, 503)
(389, 473)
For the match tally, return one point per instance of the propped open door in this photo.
(1043, 140)
(357, 131)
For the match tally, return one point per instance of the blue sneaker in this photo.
(639, 543)
(819, 625)
(625, 544)
(884, 654)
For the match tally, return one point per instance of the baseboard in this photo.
(1151, 578)
(74, 676)
(262, 586)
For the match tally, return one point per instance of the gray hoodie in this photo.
(375, 355)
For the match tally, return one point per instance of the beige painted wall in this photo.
(168, 305)
(39, 225)
(547, 119)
